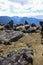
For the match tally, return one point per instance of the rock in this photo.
(4, 61)
(20, 29)
(33, 25)
(11, 54)
(2, 28)
(30, 30)
(17, 63)
(9, 26)
(42, 54)
(23, 27)
(1, 60)
(41, 23)
(27, 27)
(7, 43)
(28, 59)
(21, 57)
(33, 29)
(38, 28)
(10, 36)
(26, 23)
(28, 45)
(1, 50)
(42, 42)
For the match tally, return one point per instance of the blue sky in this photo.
(21, 7)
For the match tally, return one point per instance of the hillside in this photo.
(34, 39)
(20, 43)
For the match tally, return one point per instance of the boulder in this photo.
(19, 57)
(10, 36)
(4, 61)
(22, 57)
(41, 23)
(30, 30)
(33, 29)
(23, 27)
(33, 25)
(2, 27)
(27, 27)
(9, 26)
(26, 23)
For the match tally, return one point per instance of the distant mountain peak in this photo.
(19, 20)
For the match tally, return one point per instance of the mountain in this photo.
(22, 20)
(30, 20)
(19, 20)
(4, 19)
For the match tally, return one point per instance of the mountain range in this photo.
(19, 20)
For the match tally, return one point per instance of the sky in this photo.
(21, 7)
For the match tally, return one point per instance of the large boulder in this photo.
(33, 25)
(9, 26)
(32, 29)
(41, 23)
(10, 36)
(21, 57)
(27, 27)
(26, 23)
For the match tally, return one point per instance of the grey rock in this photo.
(30, 30)
(17, 63)
(27, 27)
(21, 57)
(41, 23)
(33, 29)
(33, 25)
(10, 35)
(9, 26)
(4, 61)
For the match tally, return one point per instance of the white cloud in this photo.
(30, 8)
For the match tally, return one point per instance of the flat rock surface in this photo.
(8, 35)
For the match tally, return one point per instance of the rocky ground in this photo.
(34, 40)
(28, 50)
